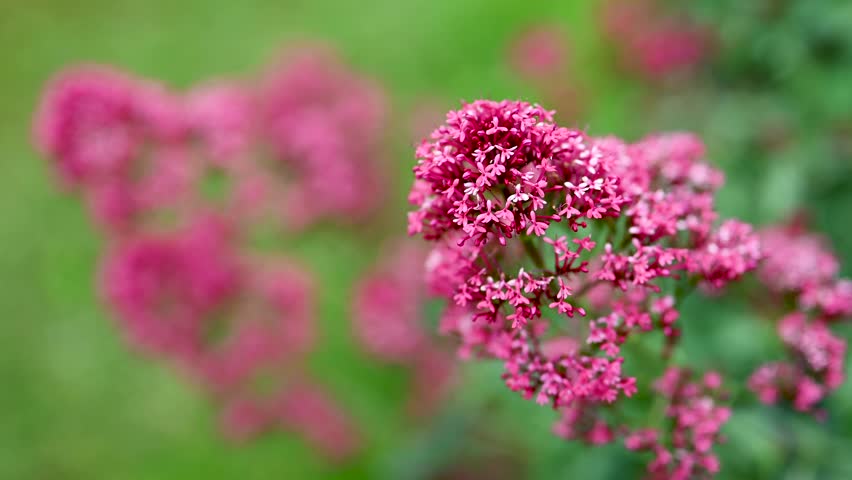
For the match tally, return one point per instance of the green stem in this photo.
(533, 252)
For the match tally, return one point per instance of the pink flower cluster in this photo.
(800, 263)
(115, 139)
(323, 124)
(528, 217)
(166, 287)
(682, 448)
(652, 42)
(301, 408)
(799, 269)
(306, 137)
(241, 326)
(389, 323)
(180, 184)
(696, 418)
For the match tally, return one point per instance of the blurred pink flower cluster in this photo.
(180, 185)
(801, 274)
(388, 317)
(541, 56)
(323, 123)
(695, 417)
(540, 52)
(301, 143)
(652, 41)
(535, 225)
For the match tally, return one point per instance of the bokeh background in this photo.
(773, 102)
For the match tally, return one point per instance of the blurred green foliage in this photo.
(77, 404)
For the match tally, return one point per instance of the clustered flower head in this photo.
(527, 217)
(800, 270)
(388, 319)
(180, 185)
(652, 42)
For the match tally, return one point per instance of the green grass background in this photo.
(75, 403)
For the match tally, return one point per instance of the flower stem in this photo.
(533, 252)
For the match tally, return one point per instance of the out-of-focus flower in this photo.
(242, 419)
(816, 368)
(800, 268)
(731, 251)
(89, 124)
(802, 263)
(651, 41)
(310, 411)
(389, 324)
(269, 334)
(221, 116)
(581, 422)
(116, 140)
(388, 304)
(540, 53)
(182, 184)
(324, 122)
(164, 288)
(796, 260)
(302, 408)
(696, 418)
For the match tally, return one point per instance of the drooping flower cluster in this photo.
(389, 323)
(527, 217)
(180, 185)
(652, 42)
(800, 270)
